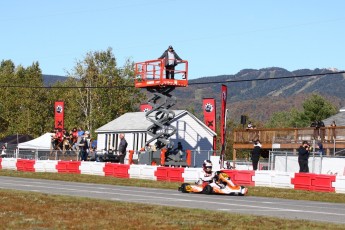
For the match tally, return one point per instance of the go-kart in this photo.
(222, 184)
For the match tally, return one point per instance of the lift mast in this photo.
(151, 75)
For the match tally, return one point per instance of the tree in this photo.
(315, 108)
(285, 119)
(104, 91)
(22, 100)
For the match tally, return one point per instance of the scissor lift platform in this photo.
(151, 74)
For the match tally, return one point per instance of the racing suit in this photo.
(215, 179)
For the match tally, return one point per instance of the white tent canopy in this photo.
(42, 142)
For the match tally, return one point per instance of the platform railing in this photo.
(290, 135)
(152, 73)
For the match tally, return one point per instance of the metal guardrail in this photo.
(315, 157)
(197, 158)
(290, 135)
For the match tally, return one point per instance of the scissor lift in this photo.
(151, 75)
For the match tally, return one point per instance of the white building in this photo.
(191, 132)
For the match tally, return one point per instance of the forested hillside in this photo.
(259, 98)
(249, 94)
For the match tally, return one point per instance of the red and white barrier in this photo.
(263, 178)
(92, 168)
(301, 181)
(192, 174)
(146, 172)
(339, 184)
(9, 163)
(282, 179)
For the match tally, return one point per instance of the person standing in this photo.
(256, 152)
(179, 150)
(303, 156)
(122, 148)
(315, 125)
(333, 134)
(320, 147)
(170, 57)
(322, 130)
(74, 139)
(84, 146)
(3, 150)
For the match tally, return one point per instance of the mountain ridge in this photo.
(257, 93)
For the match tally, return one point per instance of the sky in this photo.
(215, 37)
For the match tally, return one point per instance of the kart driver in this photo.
(212, 178)
(208, 176)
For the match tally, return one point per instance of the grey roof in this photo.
(137, 122)
(339, 119)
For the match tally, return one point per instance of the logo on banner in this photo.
(59, 123)
(208, 107)
(59, 109)
(209, 124)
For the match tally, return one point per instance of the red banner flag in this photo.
(209, 107)
(145, 107)
(59, 114)
(223, 120)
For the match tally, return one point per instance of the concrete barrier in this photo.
(263, 178)
(305, 181)
(9, 163)
(339, 184)
(282, 179)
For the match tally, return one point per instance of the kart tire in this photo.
(183, 188)
(241, 193)
(207, 190)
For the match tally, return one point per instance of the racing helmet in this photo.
(207, 166)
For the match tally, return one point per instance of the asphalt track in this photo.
(273, 207)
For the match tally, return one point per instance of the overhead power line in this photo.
(191, 83)
(265, 79)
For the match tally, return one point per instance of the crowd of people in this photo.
(81, 142)
(76, 140)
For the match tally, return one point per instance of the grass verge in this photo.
(253, 191)
(28, 210)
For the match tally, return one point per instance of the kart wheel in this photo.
(184, 188)
(244, 191)
(207, 190)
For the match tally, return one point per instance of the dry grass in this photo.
(27, 210)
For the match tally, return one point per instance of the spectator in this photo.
(180, 151)
(322, 130)
(58, 139)
(3, 150)
(170, 57)
(303, 156)
(250, 125)
(255, 154)
(74, 139)
(320, 147)
(66, 140)
(333, 134)
(315, 125)
(122, 148)
(84, 146)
